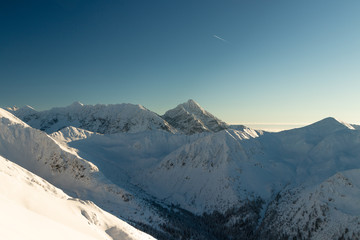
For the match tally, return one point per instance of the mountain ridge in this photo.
(227, 184)
(101, 118)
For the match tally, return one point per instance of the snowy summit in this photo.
(190, 117)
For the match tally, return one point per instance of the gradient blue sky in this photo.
(282, 61)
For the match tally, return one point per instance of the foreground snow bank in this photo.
(32, 208)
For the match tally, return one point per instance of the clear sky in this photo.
(248, 61)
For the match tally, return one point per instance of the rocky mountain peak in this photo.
(190, 118)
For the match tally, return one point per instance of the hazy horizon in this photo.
(275, 127)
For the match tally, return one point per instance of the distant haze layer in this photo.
(275, 127)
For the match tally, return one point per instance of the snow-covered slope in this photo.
(217, 170)
(328, 210)
(70, 134)
(37, 152)
(24, 111)
(121, 157)
(250, 131)
(230, 182)
(32, 208)
(232, 172)
(41, 154)
(191, 118)
(127, 157)
(96, 118)
(314, 152)
(213, 173)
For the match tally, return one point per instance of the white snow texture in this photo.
(124, 156)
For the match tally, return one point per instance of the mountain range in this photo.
(185, 174)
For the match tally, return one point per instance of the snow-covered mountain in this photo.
(69, 134)
(191, 118)
(32, 208)
(188, 118)
(96, 118)
(206, 174)
(225, 171)
(213, 172)
(210, 180)
(61, 166)
(328, 210)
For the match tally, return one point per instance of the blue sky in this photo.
(281, 61)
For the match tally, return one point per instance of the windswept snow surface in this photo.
(32, 208)
(96, 118)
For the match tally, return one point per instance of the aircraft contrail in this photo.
(215, 36)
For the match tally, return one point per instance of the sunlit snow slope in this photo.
(32, 208)
(96, 118)
(44, 156)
